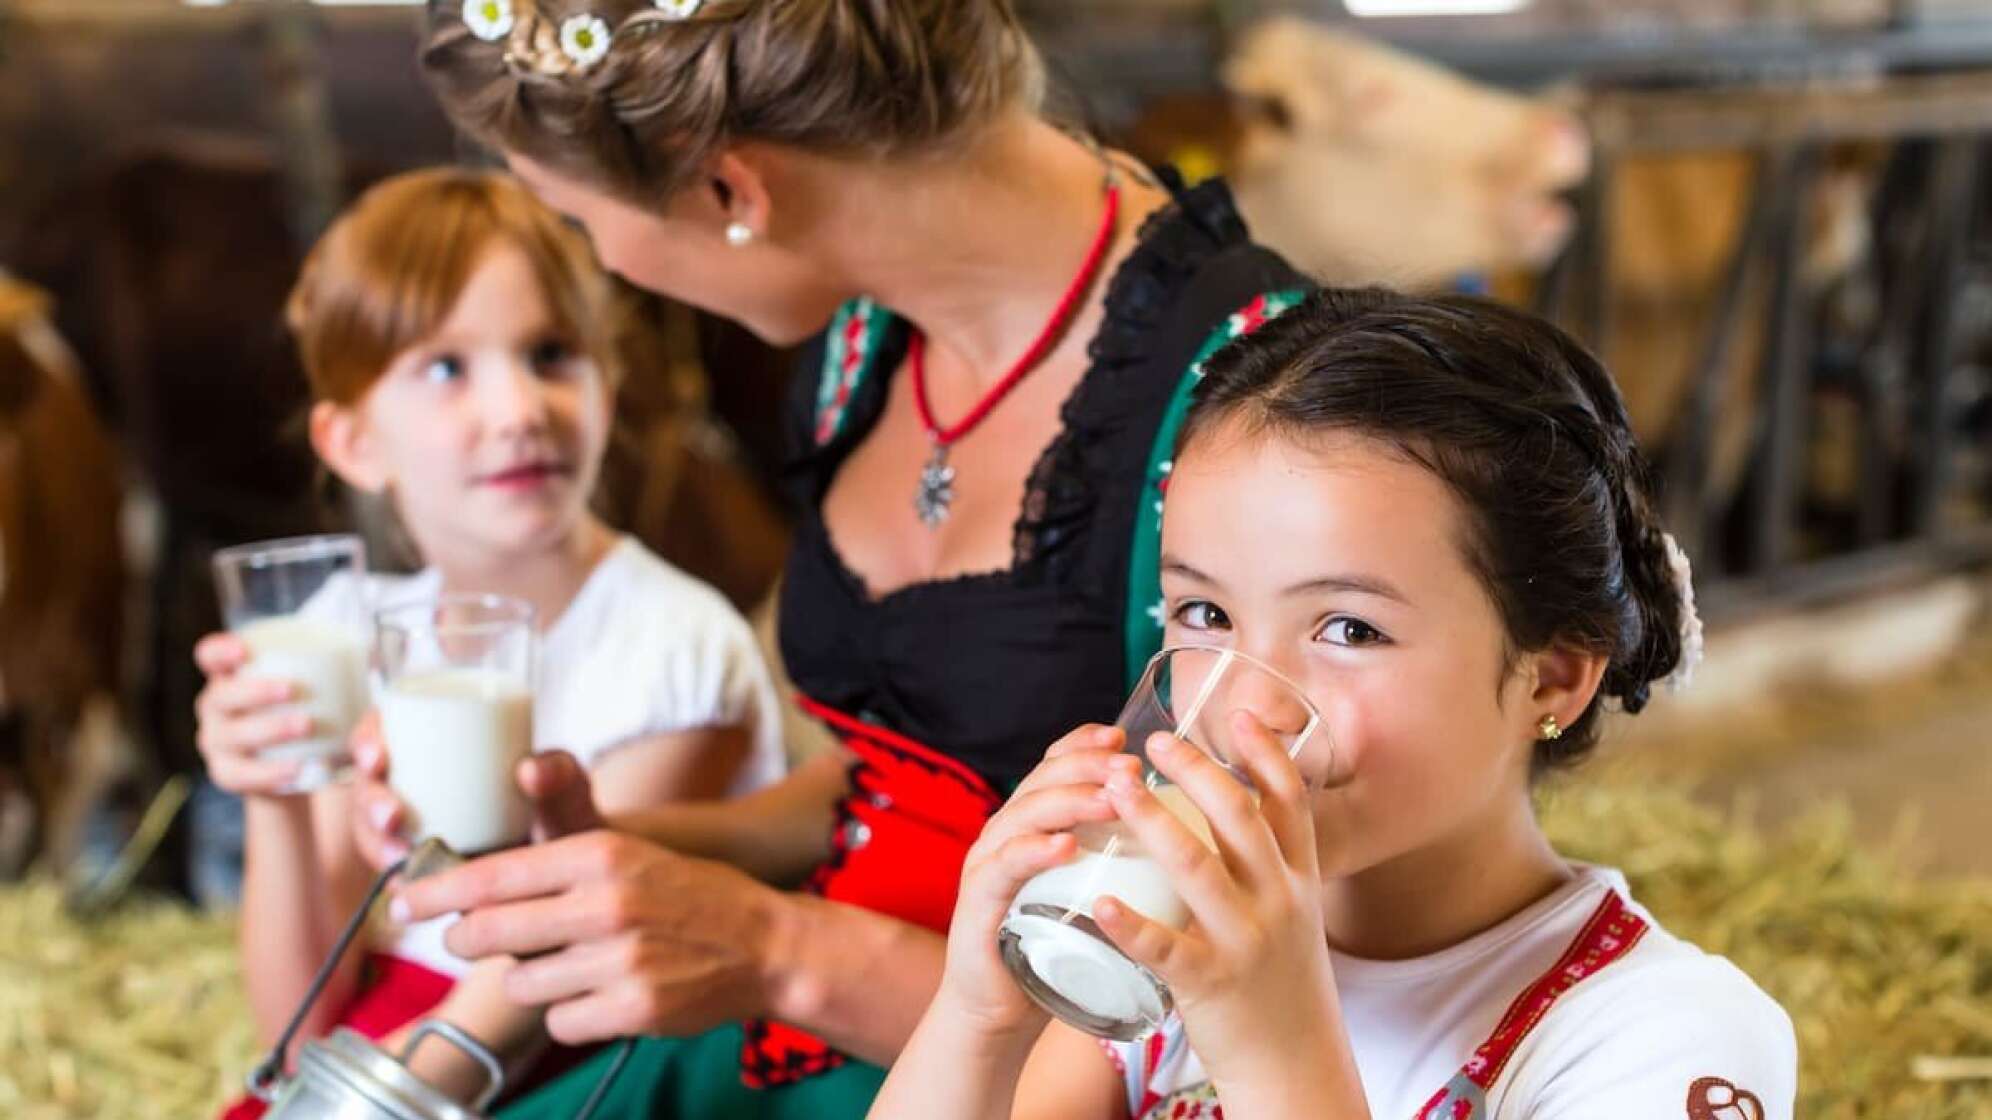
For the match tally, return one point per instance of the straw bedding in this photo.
(1888, 979)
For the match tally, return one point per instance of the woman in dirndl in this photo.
(1004, 322)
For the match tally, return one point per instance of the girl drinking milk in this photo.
(1430, 516)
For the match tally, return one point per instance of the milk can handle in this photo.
(266, 1081)
(494, 1072)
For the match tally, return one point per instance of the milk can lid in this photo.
(366, 1069)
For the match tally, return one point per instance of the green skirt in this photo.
(698, 1078)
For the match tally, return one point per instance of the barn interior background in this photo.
(1770, 215)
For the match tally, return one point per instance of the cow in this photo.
(61, 585)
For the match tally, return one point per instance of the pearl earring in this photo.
(739, 234)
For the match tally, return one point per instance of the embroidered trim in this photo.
(1611, 932)
(1143, 621)
(900, 744)
(850, 345)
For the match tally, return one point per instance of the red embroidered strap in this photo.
(1610, 933)
(853, 728)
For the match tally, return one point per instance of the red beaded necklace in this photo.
(937, 478)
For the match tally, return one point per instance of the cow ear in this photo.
(340, 437)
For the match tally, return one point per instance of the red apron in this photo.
(901, 836)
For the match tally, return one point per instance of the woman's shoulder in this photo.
(1195, 268)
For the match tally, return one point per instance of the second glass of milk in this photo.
(456, 710)
(1049, 940)
(300, 605)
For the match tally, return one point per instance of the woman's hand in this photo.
(1029, 834)
(239, 717)
(555, 783)
(1251, 976)
(624, 937)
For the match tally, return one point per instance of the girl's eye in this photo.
(443, 369)
(1200, 615)
(551, 354)
(1345, 631)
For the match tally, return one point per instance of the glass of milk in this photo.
(300, 605)
(1049, 940)
(456, 709)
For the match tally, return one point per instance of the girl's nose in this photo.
(514, 398)
(1270, 700)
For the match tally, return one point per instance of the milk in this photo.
(1064, 961)
(327, 660)
(454, 738)
(1111, 861)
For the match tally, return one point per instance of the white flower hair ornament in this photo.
(585, 39)
(489, 20)
(679, 9)
(1691, 623)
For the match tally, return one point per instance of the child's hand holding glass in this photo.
(1250, 976)
(1031, 833)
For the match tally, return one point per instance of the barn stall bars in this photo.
(1788, 90)
(1905, 371)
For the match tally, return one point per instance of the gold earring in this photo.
(1550, 729)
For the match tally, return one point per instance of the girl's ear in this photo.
(1565, 681)
(344, 443)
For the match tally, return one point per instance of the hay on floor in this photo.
(1888, 979)
(140, 1016)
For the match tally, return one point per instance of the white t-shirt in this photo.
(642, 650)
(1580, 1006)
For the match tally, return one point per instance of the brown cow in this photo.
(1364, 164)
(61, 577)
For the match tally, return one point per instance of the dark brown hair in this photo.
(860, 77)
(1526, 428)
(387, 273)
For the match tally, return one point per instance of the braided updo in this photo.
(1524, 426)
(678, 81)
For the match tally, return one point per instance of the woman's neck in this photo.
(1442, 894)
(976, 246)
(549, 579)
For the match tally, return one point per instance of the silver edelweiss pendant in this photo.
(936, 489)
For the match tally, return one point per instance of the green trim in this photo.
(831, 413)
(1142, 623)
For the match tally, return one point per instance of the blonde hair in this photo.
(849, 77)
(387, 273)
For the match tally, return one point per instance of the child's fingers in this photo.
(1049, 809)
(246, 776)
(1283, 799)
(1087, 768)
(1236, 824)
(369, 749)
(1080, 757)
(1198, 873)
(230, 697)
(378, 819)
(220, 654)
(238, 737)
(1091, 737)
(1169, 954)
(991, 884)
